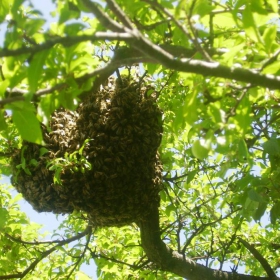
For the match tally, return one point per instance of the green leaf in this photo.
(33, 162)
(81, 63)
(249, 24)
(82, 276)
(242, 150)
(202, 8)
(200, 149)
(269, 37)
(33, 26)
(43, 151)
(3, 87)
(272, 147)
(272, 68)
(35, 70)
(73, 29)
(215, 112)
(258, 6)
(3, 124)
(4, 9)
(275, 212)
(190, 108)
(260, 211)
(67, 98)
(191, 176)
(47, 106)
(243, 117)
(3, 217)
(68, 11)
(23, 115)
(224, 20)
(152, 68)
(170, 209)
(23, 162)
(273, 4)
(253, 195)
(56, 177)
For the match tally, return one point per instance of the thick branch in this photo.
(122, 56)
(146, 51)
(169, 260)
(213, 69)
(260, 258)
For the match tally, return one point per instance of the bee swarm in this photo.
(122, 130)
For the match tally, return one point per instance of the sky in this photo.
(48, 220)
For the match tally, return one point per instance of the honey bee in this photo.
(119, 130)
(98, 174)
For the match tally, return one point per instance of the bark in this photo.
(168, 260)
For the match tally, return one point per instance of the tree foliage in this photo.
(215, 67)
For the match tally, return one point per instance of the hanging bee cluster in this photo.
(117, 132)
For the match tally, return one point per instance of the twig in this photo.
(95, 255)
(19, 240)
(31, 267)
(270, 60)
(165, 84)
(226, 246)
(175, 178)
(81, 256)
(203, 226)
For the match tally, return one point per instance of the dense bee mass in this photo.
(119, 130)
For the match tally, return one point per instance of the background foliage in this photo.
(215, 66)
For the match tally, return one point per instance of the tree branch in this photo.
(169, 260)
(213, 69)
(81, 256)
(120, 14)
(66, 42)
(122, 56)
(104, 19)
(94, 255)
(268, 269)
(46, 253)
(19, 240)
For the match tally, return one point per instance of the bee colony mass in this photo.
(120, 130)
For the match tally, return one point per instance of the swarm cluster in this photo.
(122, 130)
